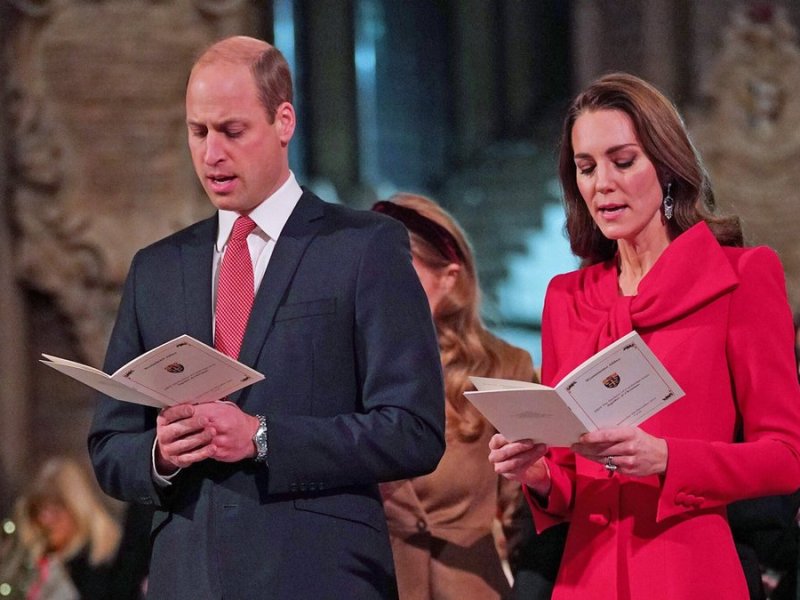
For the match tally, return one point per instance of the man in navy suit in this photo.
(272, 492)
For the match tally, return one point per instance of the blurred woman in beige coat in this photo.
(441, 525)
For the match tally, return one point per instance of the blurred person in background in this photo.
(441, 524)
(67, 536)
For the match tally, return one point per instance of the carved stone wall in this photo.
(99, 156)
(749, 134)
(98, 168)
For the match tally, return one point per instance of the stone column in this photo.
(474, 77)
(330, 92)
(100, 169)
(14, 406)
(519, 74)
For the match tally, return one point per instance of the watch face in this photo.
(260, 440)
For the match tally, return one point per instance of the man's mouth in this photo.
(221, 184)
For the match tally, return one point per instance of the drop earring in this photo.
(669, 203)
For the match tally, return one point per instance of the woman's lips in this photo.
(610, 211)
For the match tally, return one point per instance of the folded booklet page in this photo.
(623, 384)
(181, 370)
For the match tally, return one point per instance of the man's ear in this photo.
(285, 121)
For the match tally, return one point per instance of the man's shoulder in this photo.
(341, 216)
(198, 232)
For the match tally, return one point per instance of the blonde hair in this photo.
(466, 347)
(63, 482)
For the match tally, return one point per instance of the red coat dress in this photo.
(719, 319)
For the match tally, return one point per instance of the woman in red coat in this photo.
(647, 504)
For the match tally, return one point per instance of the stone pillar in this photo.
(648, 38)
(100, 169)
(519, 74)
(474, 77)
(329, 82)
(14, 367)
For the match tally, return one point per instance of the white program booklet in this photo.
(623, 384)
(181, 370)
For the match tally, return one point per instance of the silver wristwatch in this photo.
(260, 439)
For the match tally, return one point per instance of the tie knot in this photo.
(242, 228)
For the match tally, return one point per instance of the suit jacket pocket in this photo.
(298, 310)
(355, 507)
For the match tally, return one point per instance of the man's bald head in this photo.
(266, 63)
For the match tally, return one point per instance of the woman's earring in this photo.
(669, 203)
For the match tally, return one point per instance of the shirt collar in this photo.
(270, 216)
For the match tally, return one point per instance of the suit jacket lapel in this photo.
(197, 255)
(300, 229)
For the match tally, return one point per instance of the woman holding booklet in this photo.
(647, 504)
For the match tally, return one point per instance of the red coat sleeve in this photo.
(760, 357)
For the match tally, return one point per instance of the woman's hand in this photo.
(521, 461)
(630, 449)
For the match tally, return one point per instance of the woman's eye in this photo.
(585, 169)
(624, 164)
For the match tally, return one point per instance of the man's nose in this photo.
(215, 148)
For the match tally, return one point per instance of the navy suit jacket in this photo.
(353, 395)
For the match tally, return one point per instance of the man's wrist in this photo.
(260, 440)
(162, 476)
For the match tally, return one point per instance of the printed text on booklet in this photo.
(623, 384)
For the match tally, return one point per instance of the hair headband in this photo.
(429, 230)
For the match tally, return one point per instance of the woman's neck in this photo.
(635, 261)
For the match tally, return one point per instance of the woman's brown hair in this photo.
(662, 135)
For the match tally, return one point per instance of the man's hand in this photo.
(233, 430)
(190, 433)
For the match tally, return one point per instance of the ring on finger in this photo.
(610, 464)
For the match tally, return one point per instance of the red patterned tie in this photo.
(234, 290)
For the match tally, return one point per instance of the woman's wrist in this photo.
(541, 483)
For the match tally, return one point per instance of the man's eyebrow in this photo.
(220, 125)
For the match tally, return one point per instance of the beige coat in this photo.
(442, 524)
